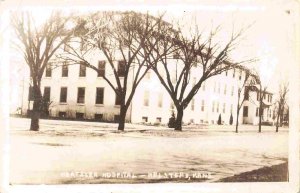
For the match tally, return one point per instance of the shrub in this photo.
(231, 119)
(171, 123)
(219, 120)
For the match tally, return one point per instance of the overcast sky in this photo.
(270, 39)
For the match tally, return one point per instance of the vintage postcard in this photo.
(150, 96)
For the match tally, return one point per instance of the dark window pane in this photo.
(62, 114)
(245, 111)
(79, 115)
(80, 95)
(101, 68)
(47, 94)
(82, 70)
(118, 100)
(48, 71)
(99, 95)
(145, 119)
(30, 94)
(116, 118)
(63, 94)
(65, 70)
(99, 117)
(121, 68)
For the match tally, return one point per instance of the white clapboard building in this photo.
(79, 92)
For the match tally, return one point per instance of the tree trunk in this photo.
(281, 118)
(123, 111)
(178, 121)
(277, 120)
(35, 115)
(260, 117)
(237, 120)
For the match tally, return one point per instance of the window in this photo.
(30, 94)
(101, 68)
(99, 95)
(82, 70)
(48, 71)
(64, 70)
(233, 74)
(118, 100)
(116, 118)
(79, 115)
(256, 113)
(213, 106)
(145, 119)
(98, 117)
(224, 107)
(146, 98)
(219, 88)
(270, 98)
(225, 89)
(218, 105)
(232, 90)
(265, 96)
(202, 105)
(63, 94)
(160, 99)
(62, 114)
(47, 94)
(193, 104)
(80, 95)
(158, 119)
(246, 93)
(121, 68)
(245, 111)
(240, 75)
(226, 73)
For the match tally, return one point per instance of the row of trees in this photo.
(142, 41)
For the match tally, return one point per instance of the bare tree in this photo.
(186, 54)
(245, 86)
(281, 103)
(261, 95)
(120, 37)
(39, 44)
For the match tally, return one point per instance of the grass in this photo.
(276, 173)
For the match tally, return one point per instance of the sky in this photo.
(270, 37)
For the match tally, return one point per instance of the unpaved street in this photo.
(87, 152)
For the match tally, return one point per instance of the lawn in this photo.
(92, 152)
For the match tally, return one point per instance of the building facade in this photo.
(79, 92)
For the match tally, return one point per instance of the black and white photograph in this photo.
(179, 95)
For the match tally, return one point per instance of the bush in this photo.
(231, 119)
(171, 123)
(220, 120)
